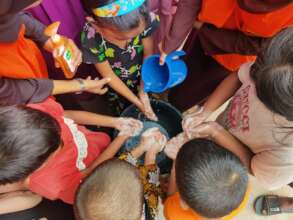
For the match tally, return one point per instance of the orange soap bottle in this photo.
(65, 58)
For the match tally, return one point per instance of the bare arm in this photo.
(88, 118)
(148, 44)
(106, 71)
(223, 92)
(18, 201)
(172, 183)
(87, 85)
(107, 154)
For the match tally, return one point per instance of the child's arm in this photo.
(107, 154)
(223, 92)
(80, 85)
(172, 183)
(106, 71)
(126, 126)
(195, 115)
(148, 44)
(223, 138)
(18, 201)
(88, 118)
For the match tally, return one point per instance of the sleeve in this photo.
(186, 14)
(33, 28)
(153, 25)
(129, 158)
(274, 168)
(150, 177)
(222, 41)
(93, 46)
(18, 91)
(244, 72)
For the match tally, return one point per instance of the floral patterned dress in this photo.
(150, 178)
(126, 63)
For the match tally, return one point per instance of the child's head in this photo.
(210, 180)
(123, 27)
(273, 75)
(113, 191)
(27, 138)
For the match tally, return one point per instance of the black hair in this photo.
(27, 138)
(210, 179)
(122, 23)
(273, 74)
(113, 191)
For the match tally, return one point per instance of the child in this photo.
(260, 113)
(116, 190)
(21, 58)
(116, 40)
(212, 183)
(44, 151)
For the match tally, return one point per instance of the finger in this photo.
(103, 91)
(162, 59)
(103, 82)
(89, 78)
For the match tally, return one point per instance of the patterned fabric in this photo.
(118, 8)
(151, 184)
(126, 63)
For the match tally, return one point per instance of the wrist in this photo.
(215, 130)
(82, 85)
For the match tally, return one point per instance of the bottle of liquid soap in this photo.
(64, 58)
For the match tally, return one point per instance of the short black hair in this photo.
(122, 23)
(113, 191)
(27, 138)
(210, 179)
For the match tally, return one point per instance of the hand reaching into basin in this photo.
(174, 144)
(128, 127)
(147, 108)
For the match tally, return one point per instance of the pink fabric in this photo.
(165, 9)
(262, 131)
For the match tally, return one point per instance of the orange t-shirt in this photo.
(229, 15)
(173, 210)
(22, 59)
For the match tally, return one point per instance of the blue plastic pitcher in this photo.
(159, 78)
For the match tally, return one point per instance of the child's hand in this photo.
(128, 126)
(194, 117)
(173, 146)
(96, 86)
(153, 140)
(205, 130)
(147, 108)
(163, 54)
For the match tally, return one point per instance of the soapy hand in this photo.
(194, 117)
(205, 130)
(153, 140)
(147, 108)
(173, 146)
(128, 127)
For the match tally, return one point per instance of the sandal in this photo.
(267, 205)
